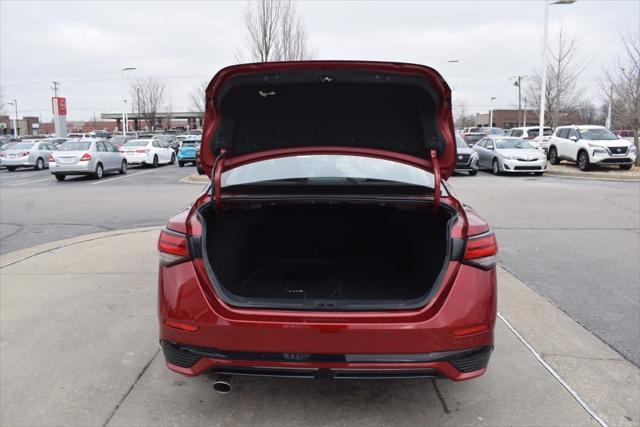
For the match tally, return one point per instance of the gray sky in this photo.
(85, 44)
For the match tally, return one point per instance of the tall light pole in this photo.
(124, 99)
(55, 88)
(518, 82)
(15, 118)
(543, 85)
(491, 111)
(608, 123)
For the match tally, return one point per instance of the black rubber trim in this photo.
(335, 374)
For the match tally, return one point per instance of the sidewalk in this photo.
(80, 347)
(571, 170)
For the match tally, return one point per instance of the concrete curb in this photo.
(20, 255)
(594, 175)
(195, 179)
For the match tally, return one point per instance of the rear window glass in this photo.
(137, 143)
(22, 146)
(545, 132)
(75, 146)
(327, 169)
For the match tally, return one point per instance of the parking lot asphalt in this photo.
(79, 347)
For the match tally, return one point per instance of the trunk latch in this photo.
(436, 179)
(217, 179)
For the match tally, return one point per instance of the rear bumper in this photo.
(138, 159)
(456, 365)
(459, 320)
(80, 168)
(17, 162)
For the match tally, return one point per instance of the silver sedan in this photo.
(87, 157)
(508, 154)
(29, 154)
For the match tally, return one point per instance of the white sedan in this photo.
(147, 152)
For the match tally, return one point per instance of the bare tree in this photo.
(274, 32)
(461, 115)
(623, 82)
(199, 99)
(148, 95)
(562, 91)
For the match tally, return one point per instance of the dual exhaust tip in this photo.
(222, 384)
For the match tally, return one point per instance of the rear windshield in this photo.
(473, 138)
(22, 146)
(327, 170)
(460, 142)
(512, 143)
(118, 139)
(597, 134)
(190, 143)
(75, 146)
(545, 132)
(137, 143)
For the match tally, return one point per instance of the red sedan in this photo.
(328, 244)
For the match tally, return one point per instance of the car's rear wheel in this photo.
(155, 162)
(181, 164)
(495, 167)
(123, 167)
(553, 156)
(60, 177)
(99, 171)
(583, 161)
(11, 168)
(473, 172)
(39, 164)
(626, 167)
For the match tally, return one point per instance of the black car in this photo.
(472, 138)
(467, 160)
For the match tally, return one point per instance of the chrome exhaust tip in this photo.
(222, 384)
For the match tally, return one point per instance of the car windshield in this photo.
(534, 132)
(460, 142)
(327, 169)
(118, 139)
(596, 134)
(136, 143)
(512, 143)
(473, 138)
(75, 146)
(22, 146)
(494, 131)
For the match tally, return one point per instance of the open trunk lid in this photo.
(394, 111)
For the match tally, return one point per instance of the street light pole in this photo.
(124, 100)
(491, 111)
(543, 85)
(15, 118)
(608, 123)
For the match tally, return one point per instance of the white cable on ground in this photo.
(554, 373)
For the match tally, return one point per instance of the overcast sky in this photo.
(85, 44)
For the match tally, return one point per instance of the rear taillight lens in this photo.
(2, 154)
(50, 159)
(481, 251)
(173, 248)
(85, 157)
(143, 150)
(24, 153)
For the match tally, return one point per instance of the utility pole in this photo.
(55, 88)
(15, 118)
(491, 111)
(608, 123)
(518, 82)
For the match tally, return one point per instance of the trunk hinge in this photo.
(436, 179)
(218, 164)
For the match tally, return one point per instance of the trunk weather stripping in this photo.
(217, 178)
(436, 180)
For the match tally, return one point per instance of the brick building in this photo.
(507, 119)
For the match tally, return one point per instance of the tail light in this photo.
(143, 150)
(50, 159)
(2, 154)
(481, 251)
(173, 248)
(85, 157)
(24, 153)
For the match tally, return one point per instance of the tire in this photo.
(625, 167)
(553, 156)
(583, 161)
(39, 164)
(123, 167)
(473, 173)
(181, 164)
(495, 167)
(60, 177)
(99, 173)
(200, 170)
(173, 158)
(155, 162)
(11, 168)
(538, 173)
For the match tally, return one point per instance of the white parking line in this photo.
(30, 182)
(121, 177)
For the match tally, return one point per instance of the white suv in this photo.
(530, 133)
(590, 145)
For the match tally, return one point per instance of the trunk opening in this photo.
(326, 256)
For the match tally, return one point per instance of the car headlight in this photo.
(633, 149)
(506, 157)
(592, 145)
(599, 152)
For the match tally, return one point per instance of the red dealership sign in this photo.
(59, 105)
